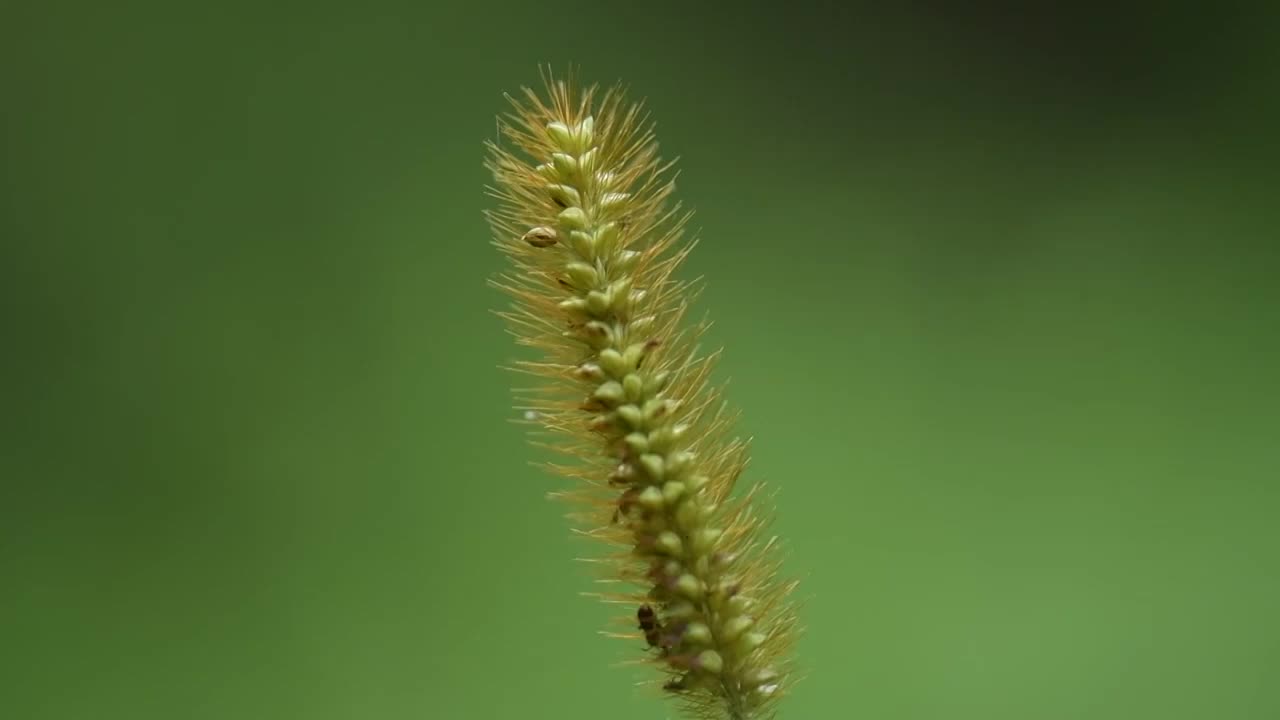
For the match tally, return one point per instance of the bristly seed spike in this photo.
(587, 220)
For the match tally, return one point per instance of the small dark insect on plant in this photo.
(649, 625)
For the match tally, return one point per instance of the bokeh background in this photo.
(998, 288)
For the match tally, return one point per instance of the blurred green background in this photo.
(998, 288)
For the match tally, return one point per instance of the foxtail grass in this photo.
(625, 396)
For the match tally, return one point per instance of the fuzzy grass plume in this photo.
(594, 242)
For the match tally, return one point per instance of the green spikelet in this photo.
(586, 221)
